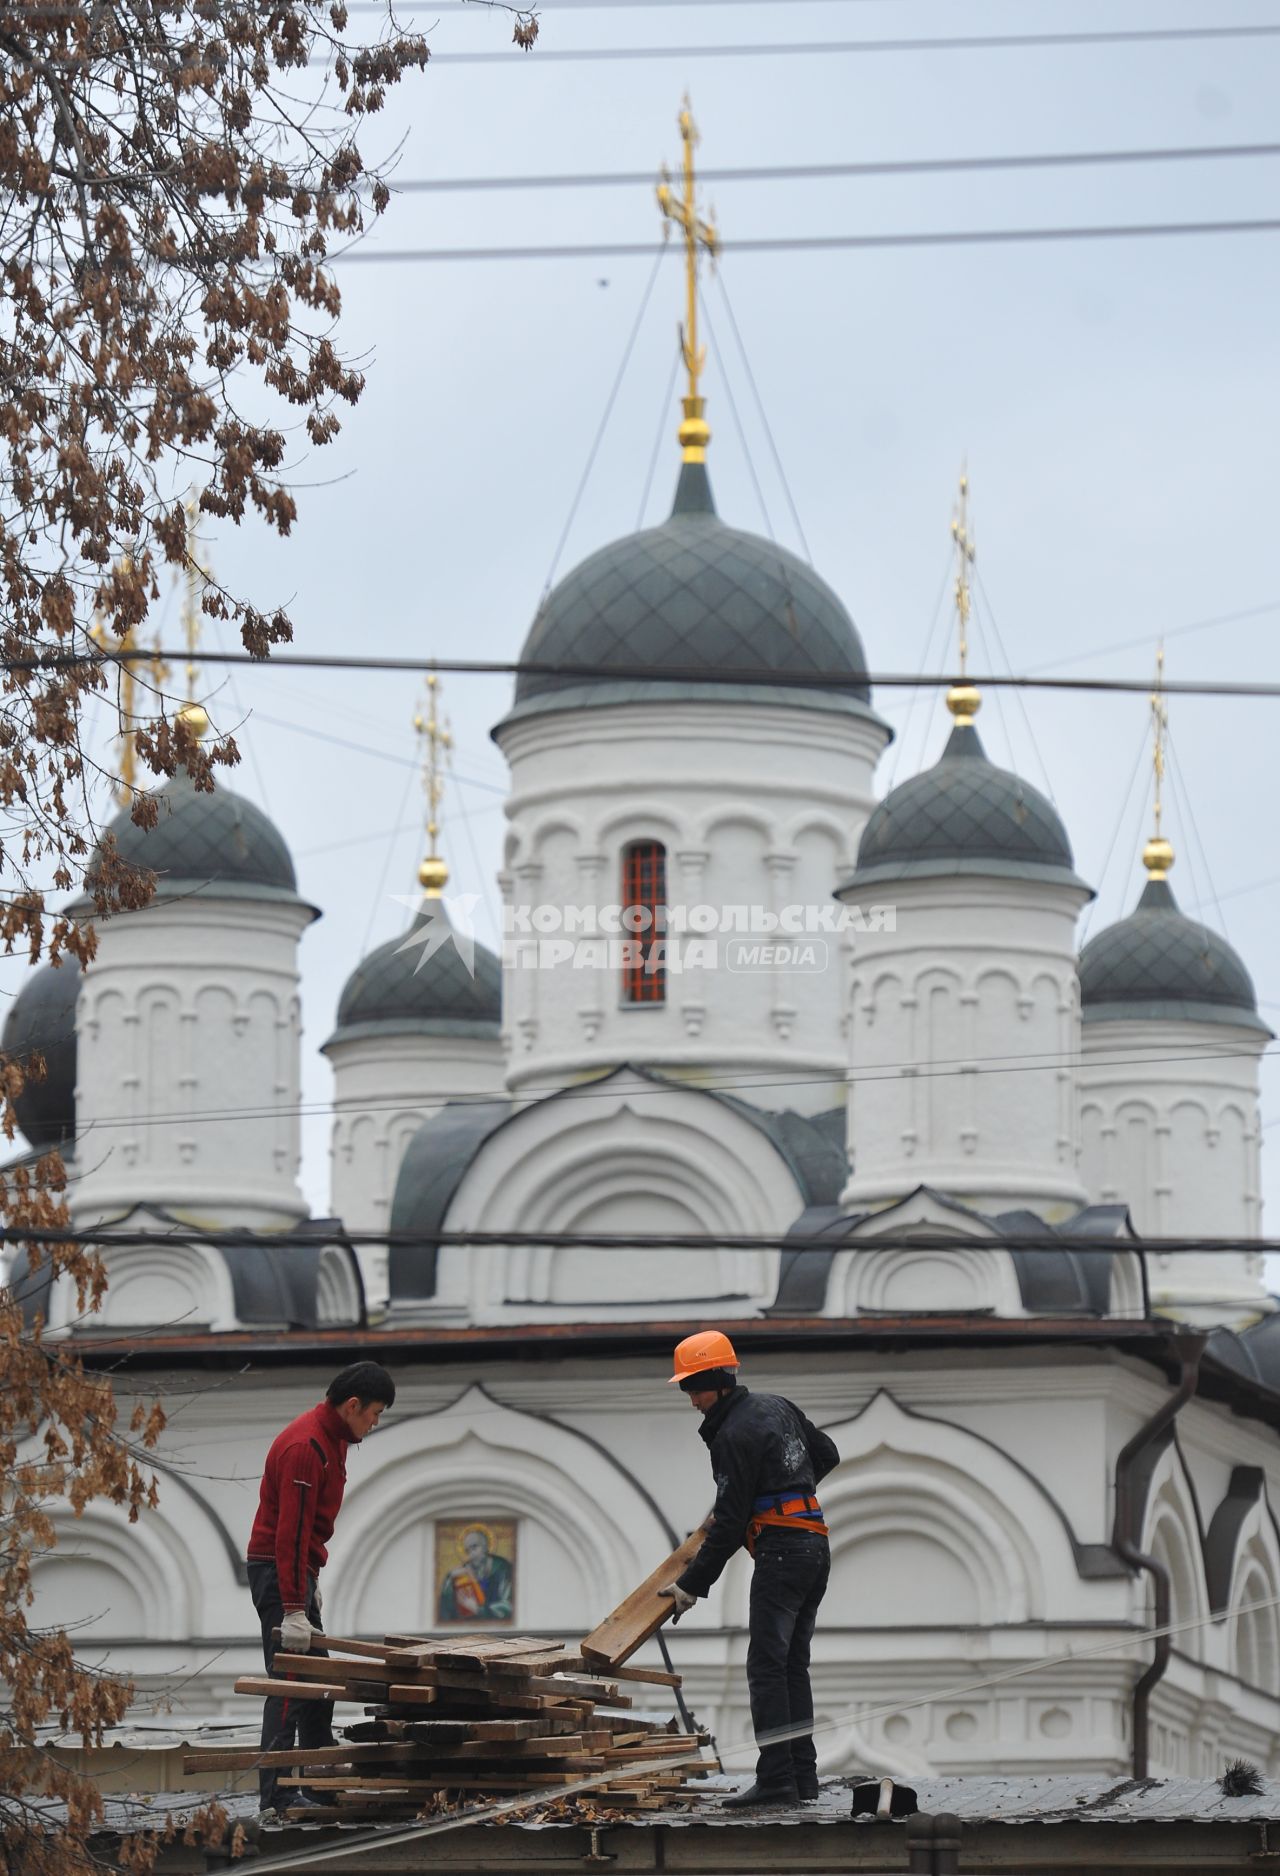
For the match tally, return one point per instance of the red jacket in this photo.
(302, 1486)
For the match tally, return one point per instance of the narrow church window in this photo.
(644, 916)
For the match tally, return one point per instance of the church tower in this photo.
(699, 739)
(964, 1020)
(1169, 1092)
(418, 1026)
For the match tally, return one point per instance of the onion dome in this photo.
(42, 1021)
(699, 596)
(201, 840)
(964, 815)
(423, 983)
(1158, 963)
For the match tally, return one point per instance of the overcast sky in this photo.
(1116, 402)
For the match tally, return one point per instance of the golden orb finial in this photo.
(694, 432)
(964, 702)
(1157, 857)
(433, 876)
(196, 717)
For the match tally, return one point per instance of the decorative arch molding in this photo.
(738, 814)
(939, 1512)
(339, 1294)
(1171, 1532)
(138, 1581)
(183, 1285)
(1242, 1569)
(582, 1519)
(815, 821)
(685, 1163)
(536, 835)
(644, 819)
(978, 1277)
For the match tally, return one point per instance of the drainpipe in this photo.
(1128, 1531)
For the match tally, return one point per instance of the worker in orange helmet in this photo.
(767, 1459)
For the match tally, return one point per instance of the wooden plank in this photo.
(289, 1690)
(343, 1645)
(248, 1759)
(656, 1677)
(446, 1780)
(332, 1668)
(643, 1613)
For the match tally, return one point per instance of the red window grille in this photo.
(644, 892)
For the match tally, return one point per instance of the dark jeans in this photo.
(789, 1582)
(285, 1722)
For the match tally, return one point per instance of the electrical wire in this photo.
(763, 413)
(829, 48)
(816, 679)
(815, 172)
(1046, 1239)
(365, 255)
(603, 425)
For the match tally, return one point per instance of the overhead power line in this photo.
(543, 55)
(656, 673)
(815, 172)
(799, 244)
(932, 1241)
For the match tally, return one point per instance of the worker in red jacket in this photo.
(302, 1486)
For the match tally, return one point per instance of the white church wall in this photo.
(1170, 1126)
(757, 805)
(384, 1087)
(975, 984)
(190, 1014)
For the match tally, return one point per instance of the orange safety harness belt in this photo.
(792, 1514)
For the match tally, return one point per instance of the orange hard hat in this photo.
(697, 1354)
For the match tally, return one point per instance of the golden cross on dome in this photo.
(694, 432)
(964, 700)
(113, 644)
(1157, 855)
(196, 575)
(437, 745)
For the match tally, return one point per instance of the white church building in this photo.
(917, 1179)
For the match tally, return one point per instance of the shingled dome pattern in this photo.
(199, 837)
(965, 815)
(1160, 962)
(42, 1021)
(397, 988)
(698, 595)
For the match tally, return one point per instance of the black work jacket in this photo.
(760, 1444)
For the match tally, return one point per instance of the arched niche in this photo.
(1254, 1632)
(106, 1580)
(978, 1274)
(636, 1153)
(181, 1286)
(930, 1524)
(1171, 1534)
(586, 1533)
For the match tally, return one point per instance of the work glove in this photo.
(680, 1597)
(320, 1605)
(296, 1633)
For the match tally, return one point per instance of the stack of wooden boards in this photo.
(470, 1719)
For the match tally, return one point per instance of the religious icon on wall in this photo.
(475, 1569)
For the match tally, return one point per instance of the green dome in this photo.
(965, 815)
(399, 990)
(699, 596)
(42, 1021)
(203, 839)
(1160, 963)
